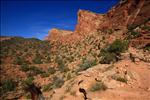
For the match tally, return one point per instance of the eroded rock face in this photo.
(56, 34)
(129, 12)
(125, 14)
(88, 22)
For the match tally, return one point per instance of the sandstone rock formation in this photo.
(128, 13)
(56, 34)
(88, 22)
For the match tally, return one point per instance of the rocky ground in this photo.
(125, 80)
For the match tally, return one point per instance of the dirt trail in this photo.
(139, 90)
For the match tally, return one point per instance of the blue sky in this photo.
(34, 18)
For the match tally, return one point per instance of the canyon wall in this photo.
(127, 13)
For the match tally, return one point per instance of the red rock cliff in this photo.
(126, 13)
(56, 34)
(88, 21)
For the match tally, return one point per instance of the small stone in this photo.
(137, 60)
(126, 65)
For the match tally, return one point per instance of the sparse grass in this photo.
(69, 76)
(68, 89)
(119, 78)
(109, 67)
(73, 93)
(36, 70)
(58, 82)
(98, 86)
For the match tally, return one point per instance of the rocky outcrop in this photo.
(143, 37)
(88, 22)
(139, 55)
(127, 13)
(56, 34)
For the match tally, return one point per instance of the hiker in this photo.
(35, 92)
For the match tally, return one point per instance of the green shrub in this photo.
(112, 52)
(44, 75)
(8, 85)
(98, 86)
(86, 64)
(107, 58)
(20, 61)
(109, 31)
(134, 34)
(37, 59)
(48, 59)
(122, 79)
(25, 67)
(61, 65)
(131, 27)
(19, 49)
(51, 70)
(36, 70)
(28, 96)
(118, 46)
(47, 87)
(28, 81)
(145, 27)
(69, 76)
(147, 47)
